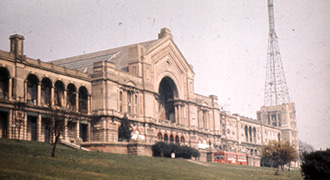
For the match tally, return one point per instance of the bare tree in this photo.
(304, 147)
(59, 121)
(19, 119)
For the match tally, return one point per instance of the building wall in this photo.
(156, 94)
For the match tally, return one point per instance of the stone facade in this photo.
(150, 83)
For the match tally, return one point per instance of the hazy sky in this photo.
(224, 40)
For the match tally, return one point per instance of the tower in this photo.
(277, 111)
(276, 90)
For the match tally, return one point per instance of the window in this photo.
(136, 104)
(274, 120)
(121, 101)
(279, 120)
(129, 102)
(219, 156)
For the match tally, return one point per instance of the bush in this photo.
(316, 165)
(162, 149)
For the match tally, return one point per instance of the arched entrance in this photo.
(167, 93)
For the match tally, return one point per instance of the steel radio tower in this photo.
(276, 90)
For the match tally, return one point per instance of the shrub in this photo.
(124, 130)
(162, 149)
(316, 165)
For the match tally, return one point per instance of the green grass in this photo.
(31, 160)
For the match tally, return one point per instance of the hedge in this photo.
(316, 165)
(162, 149)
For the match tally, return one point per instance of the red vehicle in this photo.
(230, 158)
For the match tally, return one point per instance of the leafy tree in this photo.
(316, 165)
(124, 130)
(279, 153)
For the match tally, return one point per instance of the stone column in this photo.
(25, 127)
(124, 102)
(184, 115)
(52, 92)
(176, 114)
(10, 124)
(39, 120)
(77, 101)
(89, 104)
(179, 115)
(89, 138)
(39, 95)
(25, 91)
(198, 118)
(65, 133)
(64, 98)
(10, 89)
(78, 129)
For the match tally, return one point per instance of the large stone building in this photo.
(150, 83)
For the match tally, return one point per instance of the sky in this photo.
(224, 40)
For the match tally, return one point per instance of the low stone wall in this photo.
(134, 148)
(114, 147)
(139, 149)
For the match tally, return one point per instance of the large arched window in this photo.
(165, 138)
(59, 93)
(4, 83)
(177, 140)
(182, 140)
(167, 93)
(71, 96)
(83, 99)
(171, 139)
(246, 134)
(160, 137)
(32, 89)
(46, 86)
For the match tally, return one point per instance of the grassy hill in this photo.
(31, 160)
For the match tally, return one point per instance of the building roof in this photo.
(117, 56)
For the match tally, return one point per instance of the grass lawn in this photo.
(31, 160)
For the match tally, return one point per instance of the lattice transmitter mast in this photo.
(276, 90)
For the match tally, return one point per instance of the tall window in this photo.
(136, 104)
(32, 89)
(121, 101)
(45, 91)
(279, 120)
(274, 120)
(204, 119)
(59, 93)
(129, 102)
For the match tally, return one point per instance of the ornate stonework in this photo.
(151, 83)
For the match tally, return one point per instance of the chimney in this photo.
(164, 32)
(16, 44)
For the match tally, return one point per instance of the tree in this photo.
(304, 148)
(316, 165)
(279, 153)
(124, 130)
(59, 121)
